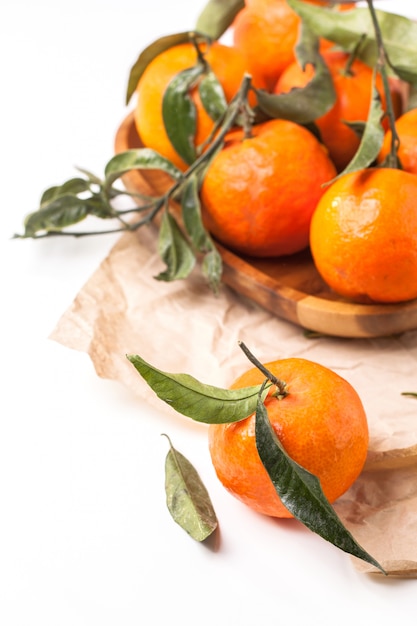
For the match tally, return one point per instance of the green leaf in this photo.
(212, 268)
(194, 399)
(148, 54)
(300, 491)
(61, 212)
(179, 112)
(140, 158)
(74, 186)
(372, 138)
(412, 98)
(217, 16)
(303, 105)
(212, 265)
(187, 498)
(174, 250)
(346, 28)
(212, 96)
(191, 215)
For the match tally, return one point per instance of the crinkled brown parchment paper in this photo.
(183, 327)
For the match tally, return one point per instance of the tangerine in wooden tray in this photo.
(289, 287)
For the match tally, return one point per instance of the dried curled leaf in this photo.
(187, 498)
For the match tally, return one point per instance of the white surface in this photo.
(85, 538)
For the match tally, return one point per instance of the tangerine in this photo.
(266, 32)
(321, 423)
(406, 127)
(364, 236)
(353, 87)
(259, 192)
(227, 63)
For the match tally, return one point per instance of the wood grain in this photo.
(289, 287)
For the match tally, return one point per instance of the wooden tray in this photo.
(289, 287)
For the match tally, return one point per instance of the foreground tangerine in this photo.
(259, 192)
(353, 86)
(227, 64)
(406, 127)
(321, 423)
(364, 236)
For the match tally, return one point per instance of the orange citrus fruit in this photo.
(259, 193)
(364, 236)
(266, 32)
(353, 89)
(406, 127)
(228, 65)
(321, 423)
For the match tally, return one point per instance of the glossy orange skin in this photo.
(321, 423)
(228, 65)
(364, 236)
(353, 99)
(259, 194)
(406, 127)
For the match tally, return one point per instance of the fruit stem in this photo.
(236, 107)
(280, 384)
(347, 70)
(381, 67)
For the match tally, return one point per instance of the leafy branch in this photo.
(182, 236)
(387, 43)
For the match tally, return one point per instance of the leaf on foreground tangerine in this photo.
(346, 28)
(217, 16)
(187, 498)
(303, 105)
(197, 400)
(301, 492)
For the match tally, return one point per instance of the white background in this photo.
(85, 537)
